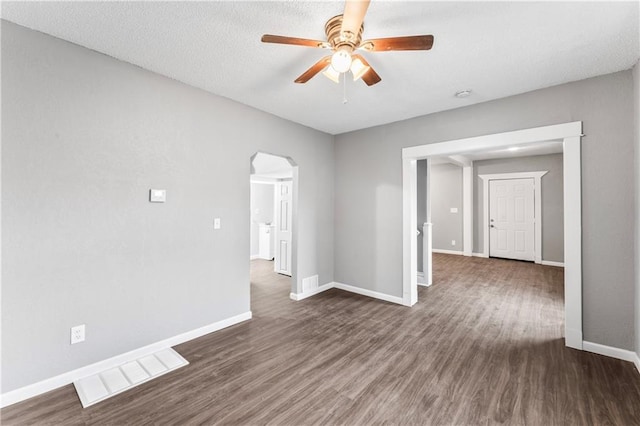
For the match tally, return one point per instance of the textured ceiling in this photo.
(495, 49)
(523, 150)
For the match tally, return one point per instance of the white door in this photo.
(511, 219)
(282, 263)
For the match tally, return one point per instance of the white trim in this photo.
(421, 280)
(636, 361)
(448, 251)
(570, 133)
(64, 379)
(537, 194)
(609, 351)
(268, 180)
(349, 288)
(480, 255)
(552, 263)
(296, 281)
(467, 209)
(254, 257)
(460, 160)
(498, 140)
(427, 253)
(370, 293)
(320, 289)
(409, 224)
(572, 190)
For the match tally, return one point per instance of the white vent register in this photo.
(97, 388)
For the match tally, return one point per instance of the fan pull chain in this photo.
(344, 90)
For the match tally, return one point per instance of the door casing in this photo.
(537, 178)
(570, 134)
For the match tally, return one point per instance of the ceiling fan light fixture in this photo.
(358, 69)
(332, 74)
(341, 61)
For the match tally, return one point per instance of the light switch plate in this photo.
(454, 210)
(216, 223)
(157, 195)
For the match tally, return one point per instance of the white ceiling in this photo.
(496, 49)
(522, 150)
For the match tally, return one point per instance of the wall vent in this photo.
(310, 284)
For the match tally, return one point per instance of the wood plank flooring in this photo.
(482, 346)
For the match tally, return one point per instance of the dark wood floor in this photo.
(483, 346)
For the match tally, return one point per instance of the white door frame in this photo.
(537, 200)
(570, 134)
(296, 284)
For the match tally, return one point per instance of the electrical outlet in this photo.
(77, 334)
(216, 223)
(453, 242)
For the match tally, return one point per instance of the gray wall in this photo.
(446, 190)
(261, 206)
(84, 138)
(368, 191)
(552, 199)
(636, 98)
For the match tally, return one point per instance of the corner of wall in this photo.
(636, 107)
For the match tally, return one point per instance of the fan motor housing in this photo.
(339, 40)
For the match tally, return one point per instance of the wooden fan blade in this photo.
(269, 38)
(353, 16)
(371, 77)
(420, 42)
(315, 69)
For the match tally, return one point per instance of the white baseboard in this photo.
(609, 351)
(480, 255)
(349, 288)
(421, 280)
(257, 256)
(369, 293)
(573, 338)
(636, 361)
(447, 251)
(320, 289)
(64, 379)
(552, 263)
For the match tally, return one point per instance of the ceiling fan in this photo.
(344, 37)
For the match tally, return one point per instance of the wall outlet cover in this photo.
(77, 334)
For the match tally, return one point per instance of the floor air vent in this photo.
(97, 388)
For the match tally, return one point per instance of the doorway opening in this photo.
(273, 203)
(569, 135)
